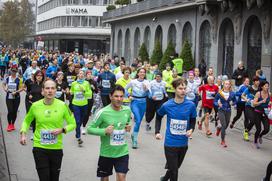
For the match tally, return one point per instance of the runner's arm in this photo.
(70, 119)
(94, 126)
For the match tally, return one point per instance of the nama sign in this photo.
(76, 11)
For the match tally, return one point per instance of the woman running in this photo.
(12, 88)
(140, 89)
(223, 100)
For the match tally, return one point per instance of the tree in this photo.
(186, 55)
(167, 56)
(157, 53)
(16, 22)
(143, 53)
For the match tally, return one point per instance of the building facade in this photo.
(220, 32)
(72, 25)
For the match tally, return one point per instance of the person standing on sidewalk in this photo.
(181, 119)
(111, 123)
(49, 114)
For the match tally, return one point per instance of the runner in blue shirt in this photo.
(181, 119)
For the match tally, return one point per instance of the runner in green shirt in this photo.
(111, 123)
(49, 114)
(123, 82)
(178, 65)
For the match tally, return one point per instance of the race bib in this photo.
(58, 94)
(69, 80)
(191, 96)
(47, 138)
(210, 95)
(106, 84)
(178, 127)
(118, 138)
(158, 95)
(12, 87)
(79, 96)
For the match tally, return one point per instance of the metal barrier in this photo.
(4, 166)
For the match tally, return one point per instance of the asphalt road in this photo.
(205, 159)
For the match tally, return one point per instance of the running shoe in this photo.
(257, 146)
(9, 128)
(223, 143)
(134, 142)
(147, 127)
(83, 130)
(218, 130)
(199, 125)
(260, 140)
(208, 133)
(80, 142)
(12, 127)
(231, 125)
(246, 136)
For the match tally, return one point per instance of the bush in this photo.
(170, 51)
(143, 54)
(122, 2)
(157, 53)
(186, 55)
(111, 7)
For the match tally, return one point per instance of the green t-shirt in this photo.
(178, 64)
(116, 70)
(81, 98)
(166, 75)
(48, 118)
(149, 75)
(114, 145)
(133, 75)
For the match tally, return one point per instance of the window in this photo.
(69, 21)
(76, 2)
(84, 20)
(76, 20)
(64, 2)
(69, 2)
(85, 1)
(97, 21)
(63, 21)
(90, 21)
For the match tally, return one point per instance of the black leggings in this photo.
(48, 163)
(2, 71)
(174, 158)
(268, 172)
(259, 119)
(88, 113)
(12, 105)
(105, 100)
(250, 114)
(151, 108)
(240, 110)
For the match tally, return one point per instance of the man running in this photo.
(181, 119)
(111, 123)
(49, 114)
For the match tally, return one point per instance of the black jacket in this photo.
(239, 75)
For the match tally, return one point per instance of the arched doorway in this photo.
(137, 41)
(253, 40)
(187, 33)
(127, 54)
(205, 42)
(158, 34)
(172, 33)
(119, 43)
(147, 37)
(226, 45)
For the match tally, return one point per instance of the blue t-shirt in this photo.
(178, 121)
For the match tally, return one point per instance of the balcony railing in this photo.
(148, 5)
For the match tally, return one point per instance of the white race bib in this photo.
(106, 84)
(210, 95)
(47, 138)
(79, 96)
(12, 86)
(69, 80)
(158, 95)
(117, 138)
(58, 94)
(178, 127)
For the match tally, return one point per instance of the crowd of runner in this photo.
(107, 91)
